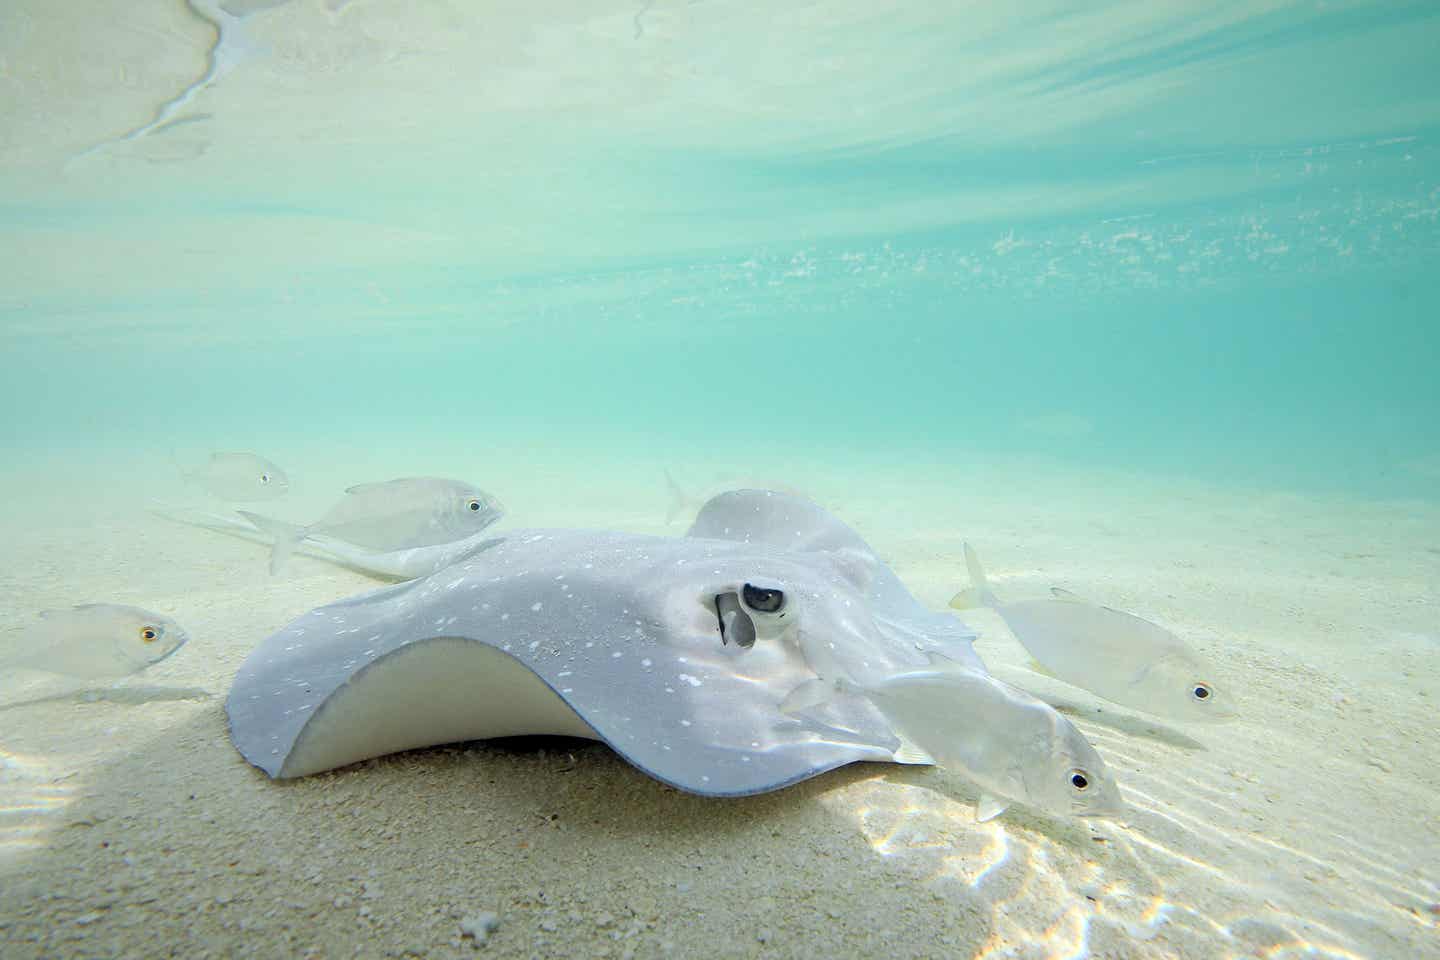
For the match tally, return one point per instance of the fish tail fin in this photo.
(678, 500)
(978, 593)
(287, 537)
(990, 807)
(910, 752)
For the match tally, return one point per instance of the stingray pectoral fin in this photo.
(440, 690)
(990, 807)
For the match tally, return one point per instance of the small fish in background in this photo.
(239, 478)
(93, 641)
(392, 515)
(1010, 744)
(1118, 656)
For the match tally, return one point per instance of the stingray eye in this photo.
(149, 634)
(1201, 692)
(762, 600)
(1080, 780)
(473, 505)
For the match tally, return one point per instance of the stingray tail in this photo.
(287, 537)
(978, 594)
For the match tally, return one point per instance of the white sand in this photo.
(130, 827)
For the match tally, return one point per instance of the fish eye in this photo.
(473, 505)
(761, 599)
(264, 478)
(149, 634)
(1201, 692)
(1080, 780)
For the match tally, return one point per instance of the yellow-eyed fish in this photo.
(392, 515)
(1010, 744)
(1115, 655)
(94, 641)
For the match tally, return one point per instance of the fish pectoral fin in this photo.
(1035, 666)
(811, 693)
(967, 599)
(990, 807)
(1060, 593)
(908, 752)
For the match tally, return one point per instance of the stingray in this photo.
(675, 651)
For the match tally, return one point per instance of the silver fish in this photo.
(1115, 655)
(239, 477)
(1011, 745)
(95, 641)
(390, 516)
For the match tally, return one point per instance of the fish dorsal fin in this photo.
(1060, 593)
(908, 752)
(367, 487)
(990, 807)
(61, 611)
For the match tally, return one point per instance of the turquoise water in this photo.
(1141, 297)
(1120, 237)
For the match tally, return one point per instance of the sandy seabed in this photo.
(130, 827)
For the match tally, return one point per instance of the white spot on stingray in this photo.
(686, 678)
(567, 690)
(564, 673)
(705, 779)
(669, 689)
(560, 576)
(645, 662)
(534, 644)
(684, 723)
(504, 616)
(617, 655)
(536, 606)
